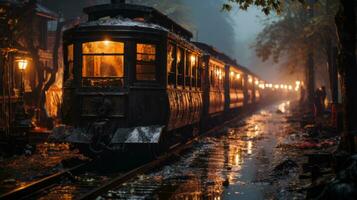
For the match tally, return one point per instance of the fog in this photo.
(231, 32)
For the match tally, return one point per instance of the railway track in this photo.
(55, 186)
(29, 190)
(173, 154)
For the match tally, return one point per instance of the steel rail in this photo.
(174, 153)
(32, 188)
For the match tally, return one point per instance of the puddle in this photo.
(235, 164)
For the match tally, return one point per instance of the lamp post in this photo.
(22, 64)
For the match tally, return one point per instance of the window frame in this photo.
(68, 69)
(156, 62)
(170, 74)
(114, 81)
(103, 54)
(180, 77)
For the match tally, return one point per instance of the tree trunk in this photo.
(310, 70)
(55, 56)
(333, 74)
(346, 30)
(310, 79)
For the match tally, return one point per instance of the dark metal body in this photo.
(171, 101)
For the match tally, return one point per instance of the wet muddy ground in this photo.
(255, 157)
(34, 164)
(237, 163)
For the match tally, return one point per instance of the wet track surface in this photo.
(236, 162)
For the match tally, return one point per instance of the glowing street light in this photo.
(22, 65)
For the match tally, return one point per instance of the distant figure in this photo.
(323, 98)
(302, 95)
(317, 103)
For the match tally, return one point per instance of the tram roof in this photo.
(139, 13)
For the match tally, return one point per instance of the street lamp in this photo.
(22, 64)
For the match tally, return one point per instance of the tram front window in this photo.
(103, 63)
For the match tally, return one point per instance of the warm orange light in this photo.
(250, 80)
(22, 64)
(276, 86)
(256, 82)
(193, 59)
(290, 87)
(106, 42)
(232, 73)
(238, 76)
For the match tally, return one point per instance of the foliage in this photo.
(266, 5)
(288, 38)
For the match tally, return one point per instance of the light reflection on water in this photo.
(237, 159)
(283, 107)
(249, 147)
(215, 165)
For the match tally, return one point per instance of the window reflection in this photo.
(145, 62)
(103, 63)
(180, 66)
(70, 62)
(171, 65)
(103, 59)
(194, 66)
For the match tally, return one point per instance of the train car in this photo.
(132, 77)
(130, 73)
(236, 87)
(213, 84)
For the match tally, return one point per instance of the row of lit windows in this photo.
(182, 67)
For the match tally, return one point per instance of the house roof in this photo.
(45, 12)
(40, 10)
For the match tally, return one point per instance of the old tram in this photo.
(131, 75)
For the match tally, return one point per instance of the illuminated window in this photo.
(199, 74)
(180, 66)
(211, 77)
(194, 68)
(103, 59)
(70, 62)
(171, 64)
(145, 62)
(188, 70)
